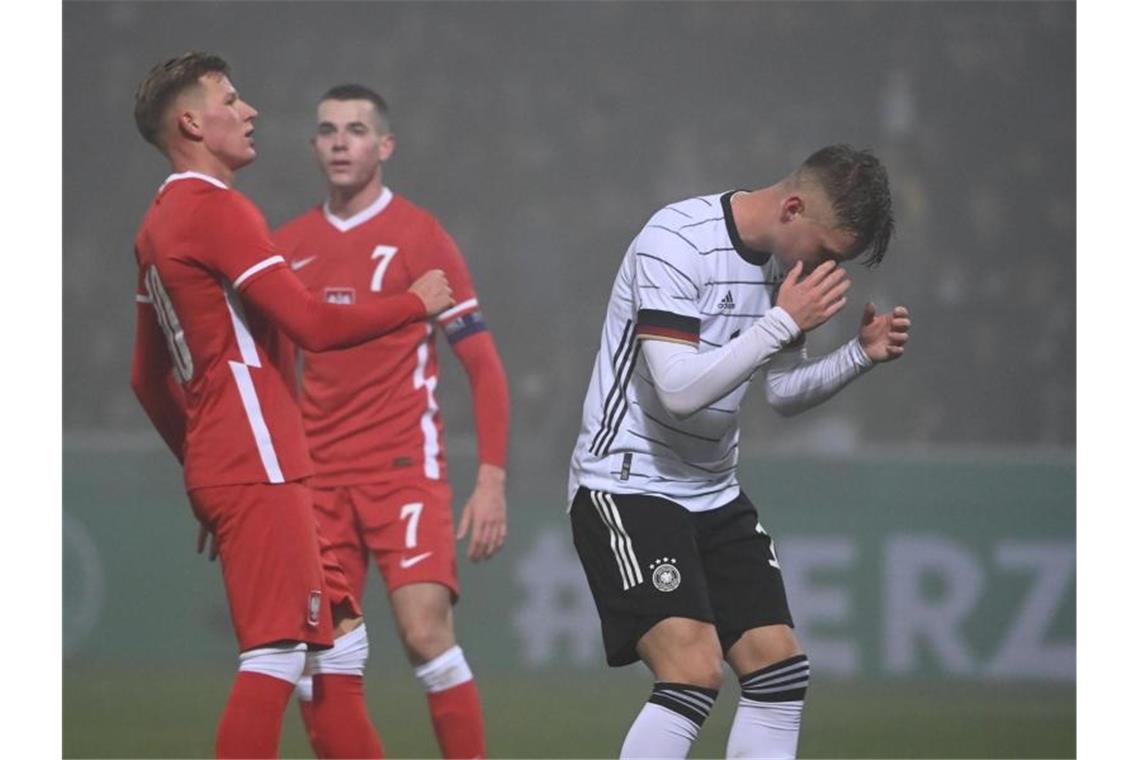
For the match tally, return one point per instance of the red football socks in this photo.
(337, 719)
(251, 723)
(457, 717)
(306, 706)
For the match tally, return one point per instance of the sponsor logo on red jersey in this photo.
(340, 295)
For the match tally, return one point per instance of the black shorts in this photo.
(648, 558)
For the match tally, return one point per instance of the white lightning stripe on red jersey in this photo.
(247, 390)
(257, 422)
(139, 298)
(241, 331)
(427, 423)
(257, 268)
(456, 310)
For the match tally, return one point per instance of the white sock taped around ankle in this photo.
(448, 670)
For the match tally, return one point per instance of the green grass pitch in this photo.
(171, 712)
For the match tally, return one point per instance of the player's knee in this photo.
(348, 655)
(426, 639)
(697, 666)
(705, 670)
(283, 661)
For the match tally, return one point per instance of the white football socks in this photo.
(445, 671)
(669, 723)
(767, 722)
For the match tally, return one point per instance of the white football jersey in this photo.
(686, 277)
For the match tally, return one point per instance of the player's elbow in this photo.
(314, 341)
(783, 404)
(678, 404)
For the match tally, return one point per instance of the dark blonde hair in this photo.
(167, 81)
(856, 184)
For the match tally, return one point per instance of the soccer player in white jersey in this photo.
(713, 290)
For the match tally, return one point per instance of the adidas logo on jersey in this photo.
(727, 303)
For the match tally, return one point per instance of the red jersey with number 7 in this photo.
(370, 412)
(200, 244)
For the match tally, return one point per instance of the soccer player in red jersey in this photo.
(212, 290)
(370, 413)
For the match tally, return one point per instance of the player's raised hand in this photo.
(485, 514)
(884, 336)
(813, 300)
(434, 290)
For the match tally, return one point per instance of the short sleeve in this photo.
(666, 290)
(238, 244)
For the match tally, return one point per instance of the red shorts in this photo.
(282, 578)
(406, 526)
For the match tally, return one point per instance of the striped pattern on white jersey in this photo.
(688, 277)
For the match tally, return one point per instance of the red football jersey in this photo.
(200, 244)
(370, 412)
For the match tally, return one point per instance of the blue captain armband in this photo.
(464, 327)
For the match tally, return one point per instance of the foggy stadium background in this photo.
(543, 135)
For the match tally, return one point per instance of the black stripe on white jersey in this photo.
(703, 221)
(677, 457)
(673, 231)
(656, 478)
(644, 379)
(675, 269)
(626, 347)
(730, 316)
(623, 400)
(667, 426)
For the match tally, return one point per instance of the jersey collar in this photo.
(359, 218)
(193, 175)
(751, 255)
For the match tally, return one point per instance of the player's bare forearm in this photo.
(491, 476)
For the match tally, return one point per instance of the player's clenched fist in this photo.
(817, 297)
(434, 290)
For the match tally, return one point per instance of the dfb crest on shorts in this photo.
(314, 608)
(666, 576)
